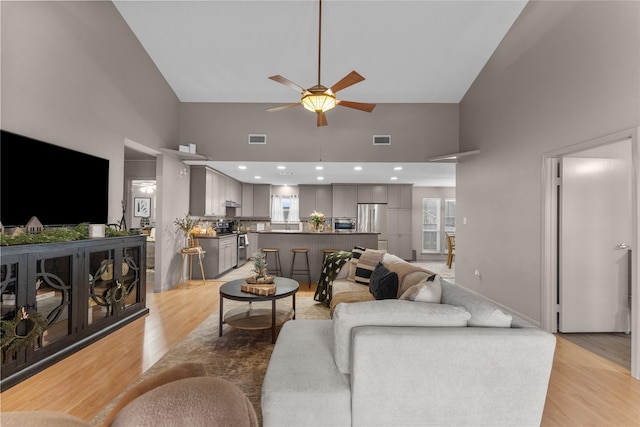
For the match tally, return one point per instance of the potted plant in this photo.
(185, 225)
(260, 268)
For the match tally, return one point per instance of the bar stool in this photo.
(327, 252)
(275, 254)
(305, 268)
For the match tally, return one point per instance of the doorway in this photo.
(588, 280)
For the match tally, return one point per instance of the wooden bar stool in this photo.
(304, 269)
(326, 252)
(275, 255)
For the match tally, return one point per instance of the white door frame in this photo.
(550, 230)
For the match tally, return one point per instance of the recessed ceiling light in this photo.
(397, 168)
(243, 167)
(357, 168)
(319, 168)
(282, 167)
(394, 178)
(320, 178)
(257, 177)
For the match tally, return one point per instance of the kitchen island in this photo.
(315, 242)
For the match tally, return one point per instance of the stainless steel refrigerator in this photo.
(372, 218)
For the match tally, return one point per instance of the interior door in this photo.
(595, 230)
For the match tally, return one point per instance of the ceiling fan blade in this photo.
(348, 80)
(322, 119)
(278, 78)
(284, 107)
(357, 105)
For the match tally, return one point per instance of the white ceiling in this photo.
(417, 51)
(421, 174)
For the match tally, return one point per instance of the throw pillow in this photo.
(384, 283)
(356, 253)
(428, 290)
(483, 313)
(366, 264)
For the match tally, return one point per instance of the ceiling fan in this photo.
(319, 98)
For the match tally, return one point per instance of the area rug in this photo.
(239, 356)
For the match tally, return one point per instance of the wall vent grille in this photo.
(257, 138)
(381, 139)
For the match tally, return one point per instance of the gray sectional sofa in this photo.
(401, 362)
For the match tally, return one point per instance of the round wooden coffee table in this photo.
(249, 318)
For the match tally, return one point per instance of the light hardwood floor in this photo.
(585, 389)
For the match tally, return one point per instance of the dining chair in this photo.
(451, 245)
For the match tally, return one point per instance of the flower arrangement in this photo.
(317, 218)
(186, 224)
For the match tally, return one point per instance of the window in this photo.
(437, 219)
(285, 209)
(430, 225)
(449, 215)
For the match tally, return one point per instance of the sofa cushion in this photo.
(483, 313)
(365, 264)
(301, 371)
(383, 283)
(390, 312)
(428, 290)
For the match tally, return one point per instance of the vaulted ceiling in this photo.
(415, 51)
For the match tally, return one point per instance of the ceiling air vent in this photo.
(257, 139)
(381, 139)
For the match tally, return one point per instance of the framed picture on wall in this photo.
(141, 207)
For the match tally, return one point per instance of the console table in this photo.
(71, 285)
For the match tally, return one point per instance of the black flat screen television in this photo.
(57, 185)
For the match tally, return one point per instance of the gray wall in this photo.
(566, 72)
(418, 131)
(73, 74)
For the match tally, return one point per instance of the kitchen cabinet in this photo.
(261, 200)
(344, 200)
(206, 192)
(247, 200)
(315, 198)
(399, 196)
(221, 256)
(227, 253)
(369, 193)
(399, 233)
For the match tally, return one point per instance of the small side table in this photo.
(190, 252)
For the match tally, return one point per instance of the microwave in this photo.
(344, 225)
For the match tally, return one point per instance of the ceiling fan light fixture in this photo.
(319, 102)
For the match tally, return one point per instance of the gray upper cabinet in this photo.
(247, 200)
(262, 200)
(368, 193)
(324, 199)
(345, 199)
(399, 196)
(315, 198)
(202, 190)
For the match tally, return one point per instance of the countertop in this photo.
(333, 233)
